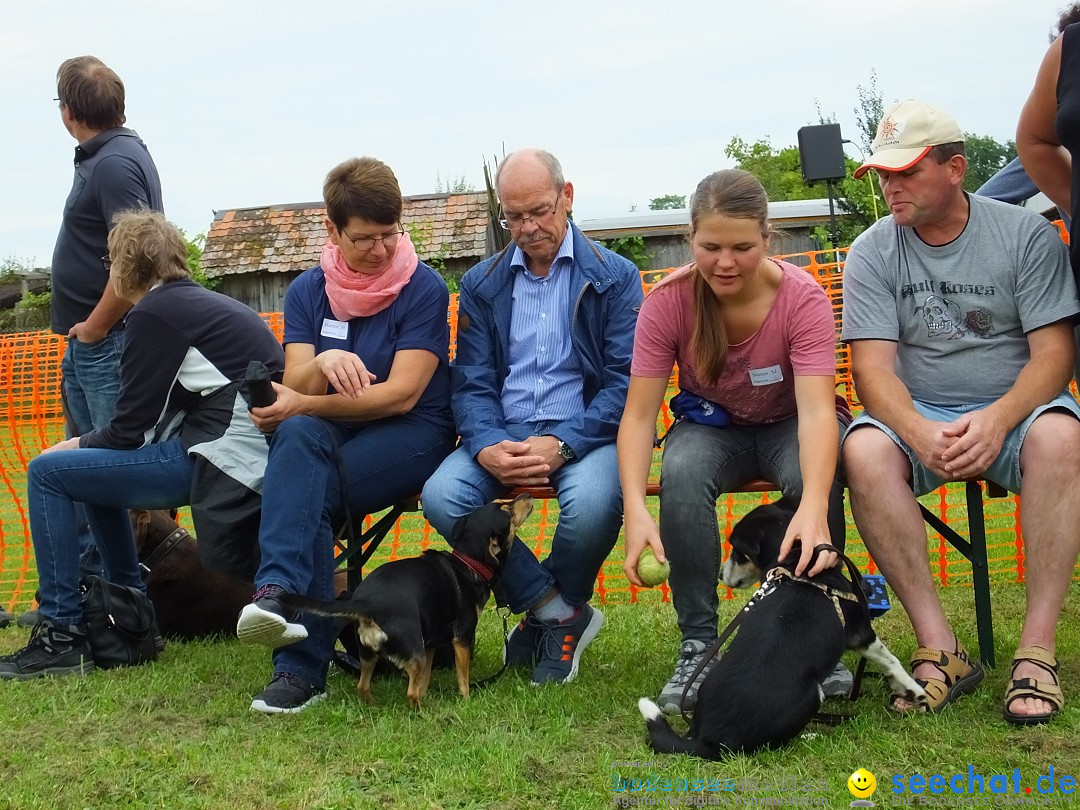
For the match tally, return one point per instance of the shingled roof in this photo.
(287, 238)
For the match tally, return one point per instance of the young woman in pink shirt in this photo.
(754, 340)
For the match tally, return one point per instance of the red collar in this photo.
(482, 570)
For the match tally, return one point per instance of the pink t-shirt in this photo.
(797, 337)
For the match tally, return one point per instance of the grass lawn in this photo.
(178, 733)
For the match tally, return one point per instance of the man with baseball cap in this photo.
(959, 313)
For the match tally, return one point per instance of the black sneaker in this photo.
(266, 622)
(52, 650)
(562, 645)
(523, 641)
(5, 618)
(286, 694)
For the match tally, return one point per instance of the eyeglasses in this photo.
(106, 262)
(512, 222)
(366, 243)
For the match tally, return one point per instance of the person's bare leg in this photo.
(891, 525)
(1050, 460)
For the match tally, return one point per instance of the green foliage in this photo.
(985, 156)
(632, 248)
(779, 172)
(452, 185)
(194, 261)
(870, 111)
(668, 202)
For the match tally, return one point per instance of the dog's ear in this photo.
(140, 523)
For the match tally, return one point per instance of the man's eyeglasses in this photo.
(106, 262)
(366, 243)
(511, 222)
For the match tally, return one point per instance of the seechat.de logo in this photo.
(862, 785)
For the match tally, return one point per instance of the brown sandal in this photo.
(1032, 688)
(961, 675)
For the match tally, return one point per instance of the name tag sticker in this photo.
(336, 329)
(766, 376)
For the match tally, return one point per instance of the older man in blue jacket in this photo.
(545, 337)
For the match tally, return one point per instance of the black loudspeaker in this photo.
(821, 153)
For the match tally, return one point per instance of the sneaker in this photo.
(5, 618)
(838, 683)
(522, 642)
(29, 619)
(562, 644)
(266, 622)
(671, 699)
(53, 649)
(286, 694)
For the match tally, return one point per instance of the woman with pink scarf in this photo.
(360, 422)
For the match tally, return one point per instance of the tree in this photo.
(194, 260)
(452, 185)
(985, 156)
(668, 202)
(870, 111)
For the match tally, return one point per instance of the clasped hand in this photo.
(345, 371)
(522, 464)
(963, 448)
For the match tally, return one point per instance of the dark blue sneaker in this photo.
(562, 644)
(266, 622)
(523, 641)
(286, 694)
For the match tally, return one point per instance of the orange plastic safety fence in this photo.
(31, 419)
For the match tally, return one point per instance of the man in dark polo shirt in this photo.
(113, 172)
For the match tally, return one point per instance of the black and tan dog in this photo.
(405, 609)
(190, 600)
(766, 687)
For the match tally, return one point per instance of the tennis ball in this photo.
(651, 571)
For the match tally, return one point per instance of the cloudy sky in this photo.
(246, 103)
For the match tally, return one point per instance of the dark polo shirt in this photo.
(113, 171)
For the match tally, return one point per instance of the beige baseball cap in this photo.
(906, 133)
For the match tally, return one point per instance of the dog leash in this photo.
(772, 580)
(163, 550)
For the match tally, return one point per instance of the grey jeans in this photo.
(700, 463)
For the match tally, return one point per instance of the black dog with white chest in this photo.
(405, 609)
(766, 688)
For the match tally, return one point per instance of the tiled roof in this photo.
(285, 238)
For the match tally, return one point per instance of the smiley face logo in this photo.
(862, 784)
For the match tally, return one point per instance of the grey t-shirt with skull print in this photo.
(959, 312)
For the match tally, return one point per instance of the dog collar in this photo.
(482, 570)
(163, 550)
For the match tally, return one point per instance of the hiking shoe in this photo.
(523, 641)
(562, 643)
(838, 683)
(53, 649)
(286, 694)
(29, 619)
(671, 699)
(266, 622)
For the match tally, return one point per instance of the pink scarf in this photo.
(357, 295)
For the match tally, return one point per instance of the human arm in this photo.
(109, 309)
(819, 438)
(309, 373)
(976, 437)
(635, 448)
(1047, 162)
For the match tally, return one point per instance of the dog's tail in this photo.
(662, 737)
(367, 629)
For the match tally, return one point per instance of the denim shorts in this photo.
(1005, 471)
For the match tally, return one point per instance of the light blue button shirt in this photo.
(545, 383)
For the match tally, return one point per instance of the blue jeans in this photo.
(590, 516)
(90, 385)
(385, 461)
(108, 482)
(700, 463)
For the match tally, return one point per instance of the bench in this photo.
(354, 556)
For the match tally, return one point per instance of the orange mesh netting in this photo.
(31, 420)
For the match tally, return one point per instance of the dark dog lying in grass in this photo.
(765, 688)
(405, 609)
(190, 600)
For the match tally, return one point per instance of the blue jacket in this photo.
(607, 299)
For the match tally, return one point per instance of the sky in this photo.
(247, 103)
